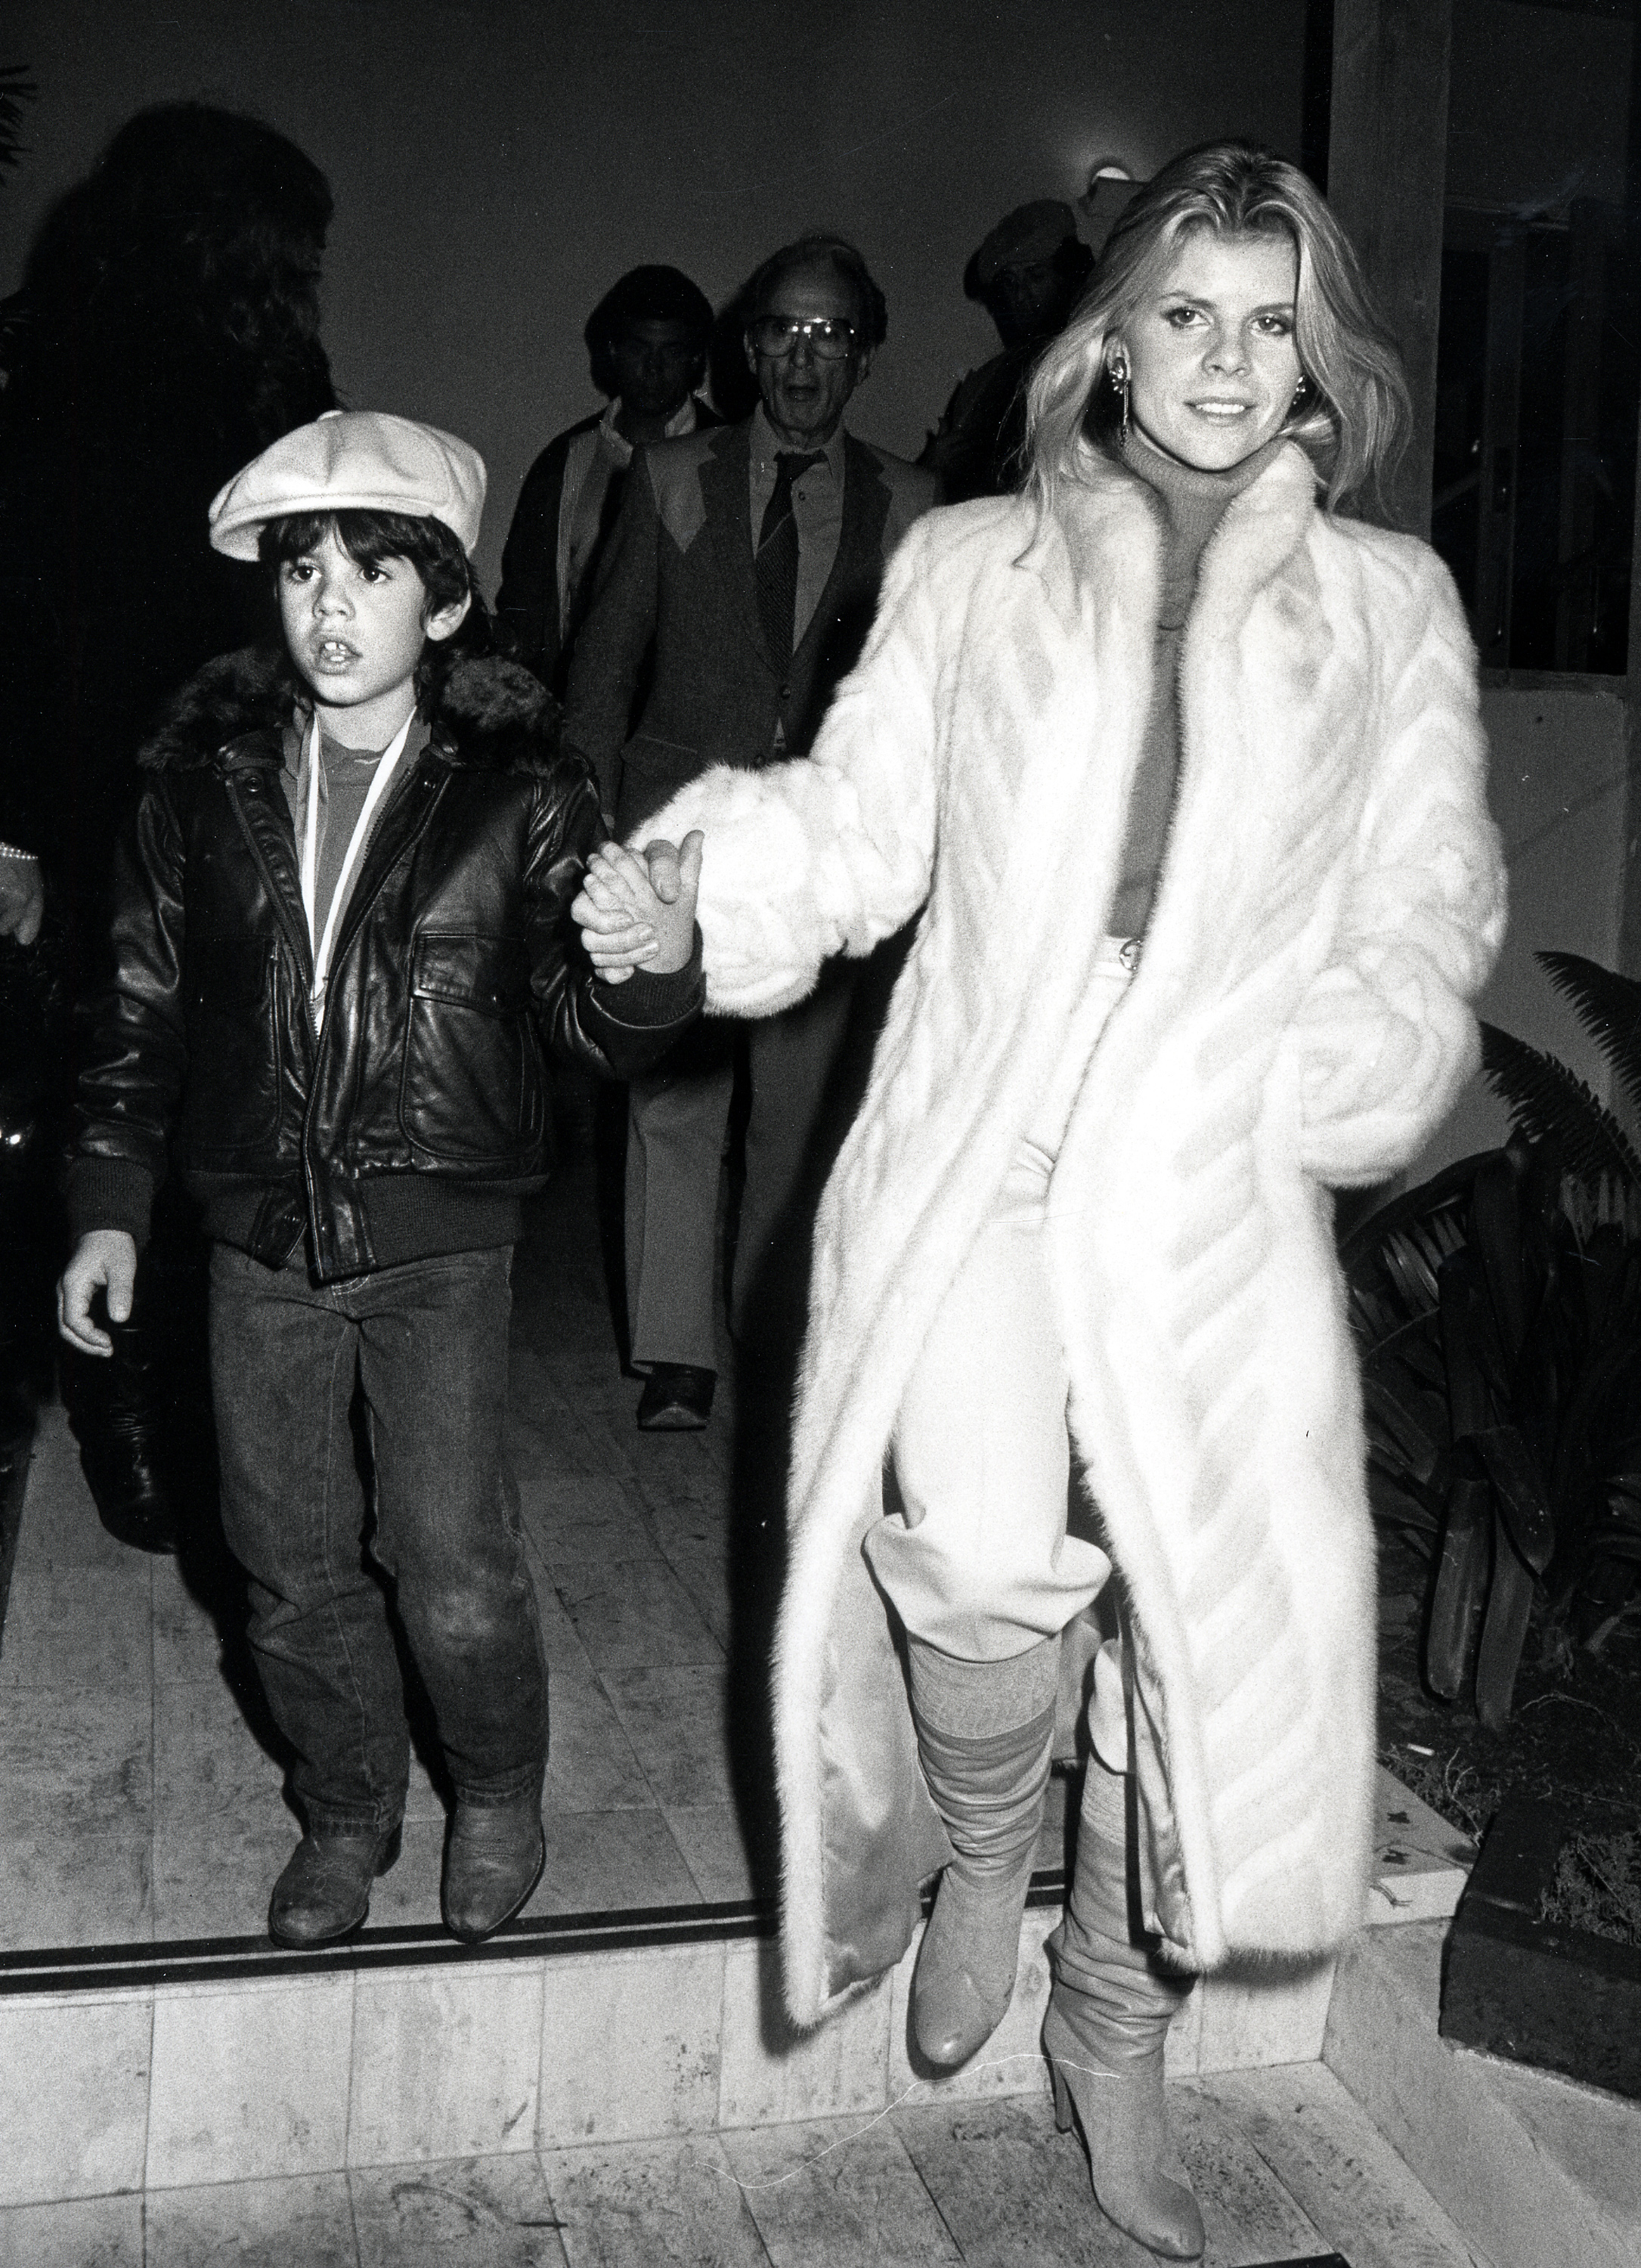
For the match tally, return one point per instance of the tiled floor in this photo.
(141, 1787)
(1286, 2167)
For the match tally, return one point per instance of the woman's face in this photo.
(1212, 365)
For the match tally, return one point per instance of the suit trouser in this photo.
(677, 1118)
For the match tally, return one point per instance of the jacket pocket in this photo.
(472, 1091)
(232, 1095)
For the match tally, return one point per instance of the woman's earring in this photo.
(1300, 392)
(1120, 380)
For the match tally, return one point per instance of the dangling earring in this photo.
(1300, 392)
(1120, 380)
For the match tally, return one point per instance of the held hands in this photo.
(103, 1258)
(640, 913)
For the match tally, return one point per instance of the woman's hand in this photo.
(639, 913)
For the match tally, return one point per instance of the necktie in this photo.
(777, 565)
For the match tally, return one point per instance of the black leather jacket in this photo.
(455, 966)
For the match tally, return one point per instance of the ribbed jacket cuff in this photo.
(110, 1193)
(646, 1000)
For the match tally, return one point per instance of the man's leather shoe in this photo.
(492, 1862)
(132, 1500)
(325, 1890)
(677, 1398)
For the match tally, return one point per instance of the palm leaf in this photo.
(1459, 1596)
(1548, 1104)
(1609, 1007)
(17, 91)
(1503, 1630)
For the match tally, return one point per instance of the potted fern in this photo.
(1498, 1314)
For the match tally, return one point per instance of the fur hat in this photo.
(352, 460)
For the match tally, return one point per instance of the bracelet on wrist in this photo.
(11, 850)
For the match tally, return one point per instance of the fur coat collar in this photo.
(1331, 902)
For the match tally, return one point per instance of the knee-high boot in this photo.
(985, 1733)
(1109, 2016)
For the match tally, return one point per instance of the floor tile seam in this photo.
(712, 2136)
(1254, 2142)
(153, 1791)
(934, 2201)
(148, 2111)
(352, 1975)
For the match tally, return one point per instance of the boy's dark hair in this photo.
(431, 547)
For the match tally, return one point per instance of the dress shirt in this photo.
(817, 507)
(594, 459)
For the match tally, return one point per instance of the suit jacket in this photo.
(528, 597)
(676, 583)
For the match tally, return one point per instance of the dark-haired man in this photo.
(647, 339)
(744, 565)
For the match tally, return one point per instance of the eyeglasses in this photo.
(829, 336)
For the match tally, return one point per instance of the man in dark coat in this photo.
(647, 338)
(744, 568)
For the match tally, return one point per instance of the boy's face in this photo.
(355, 632)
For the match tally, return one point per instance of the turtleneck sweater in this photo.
(1191, 505)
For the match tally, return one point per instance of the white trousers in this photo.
(977, 1558)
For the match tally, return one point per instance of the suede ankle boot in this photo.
(1109, 2017)
(985, 1736)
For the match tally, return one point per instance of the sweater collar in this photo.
(1193, 500)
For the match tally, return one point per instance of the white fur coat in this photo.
(1333, 898)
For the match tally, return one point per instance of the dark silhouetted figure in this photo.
(167, 331)
(1027, 275)
(647, 341)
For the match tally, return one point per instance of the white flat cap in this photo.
(353, 460)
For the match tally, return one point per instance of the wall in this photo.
(1540, 104)
(1557, 786)
(496, 163)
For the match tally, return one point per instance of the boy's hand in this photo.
(104, 1257)
(640, 913)
(22, 899)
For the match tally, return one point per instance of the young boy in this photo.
(342, 942)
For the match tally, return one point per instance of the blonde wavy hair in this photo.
(1356, 416)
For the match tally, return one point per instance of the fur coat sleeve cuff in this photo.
(831, 853)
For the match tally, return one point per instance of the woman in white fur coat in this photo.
(1185, 773)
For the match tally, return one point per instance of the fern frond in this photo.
(1609, 1008)
(1548, 1104)
(17, 91)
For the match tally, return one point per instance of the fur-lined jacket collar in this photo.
(485, 713)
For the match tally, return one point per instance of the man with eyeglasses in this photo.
(742, 574)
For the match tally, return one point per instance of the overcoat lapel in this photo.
(860, 560)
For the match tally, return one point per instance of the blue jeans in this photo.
(427, 1344)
